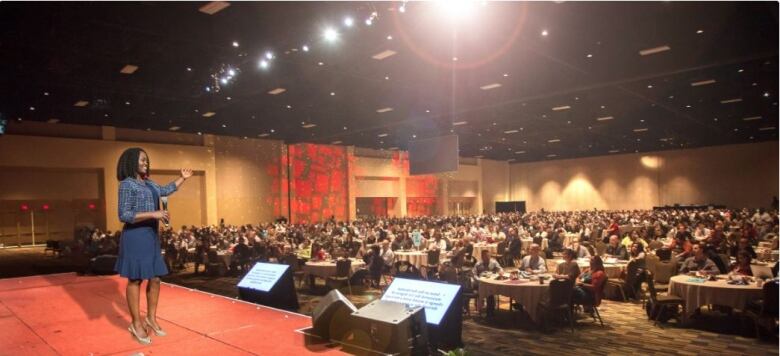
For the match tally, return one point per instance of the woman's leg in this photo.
(133, 295)
(152, 296)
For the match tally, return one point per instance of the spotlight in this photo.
(235, 44)
(305, 48)
(349, 22)
(544, 32)
(369, 21)
(330, 34)
(208, 89)
(223, 81)
(263, 64)
(269, 55)
(457, 9)
(231, 72)
(389, 37)
(402, 9)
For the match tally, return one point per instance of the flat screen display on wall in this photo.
(433, 155)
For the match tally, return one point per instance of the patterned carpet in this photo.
(626, 328)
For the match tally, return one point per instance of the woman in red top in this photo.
(742, 266)
(589, 290)
(613, 229)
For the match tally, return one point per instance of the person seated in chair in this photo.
(568, 269)
(615, 249)
(742, 245)
(742, 266)
(579, 250)
(589, 289)
(533, 263)
(699, 262)
(487, 264)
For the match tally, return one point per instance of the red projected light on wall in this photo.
(24, 207)
(91, 206)
(45, 207)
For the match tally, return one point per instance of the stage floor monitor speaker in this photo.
(332, 318)
(391, 328)
(269, 284)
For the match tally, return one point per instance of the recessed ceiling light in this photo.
(209, 114)
(458, 123)
(700, 31)
(605, 118)
(189, 69)
(427, 111)
(511, 160)
(740, 70)
(614, 151)
(554, 140)
(224, 125)
(561, 108)
(641, 130)
(389, 37)
(654, 50)
(81, 103)
(32, 108)
(272, 130)
(382, 110)
(728, 101)
(174, 128)
(265, 134)
(603, 107)
(289, 106)
(53, 121)
(46, 93)
(387, 78)
(649, 86)
(454, 59)
(766, 128)
(235, 44)
(506, 74)
(590, 55)
(305, 48)
(414, 136)
(277, 91)
(128, 69)
(766, 94)
(552, 155)
(511, 132)
(703, 82)
(335, 143)
(490, 86)
(384, 54)
(332, 93)
(751, 118)
(382, 135)
(688, 106)
(127, 103)
(519, 152)
(214, 7)
(544, 33)
(200, 133)
(308, 126)
(345, 128)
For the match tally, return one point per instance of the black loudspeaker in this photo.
(390, 328)
(281, 295)
(332, 318)
(103, 264)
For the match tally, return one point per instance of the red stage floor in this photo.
(66, 314)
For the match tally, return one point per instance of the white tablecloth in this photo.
(491, 248)
(417, 258)
(327, 269)
(527, 292)
(712, 292)
(526, 244)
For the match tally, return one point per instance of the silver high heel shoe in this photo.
(158, 332)
(143, 340)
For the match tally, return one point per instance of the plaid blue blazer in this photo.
(135, 197)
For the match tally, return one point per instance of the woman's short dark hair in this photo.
(596, 264)
(569, 252)
(128, 163)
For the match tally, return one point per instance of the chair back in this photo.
(664, 254)
(651, 261)
(501, 248)
(560, 292)
(770, 299)
(343, 267)
(292, 261)
(450, 274)
(725, 258)
(654, 245)
(664, 270)
(433, 257)
(600, 248)
(212, 256)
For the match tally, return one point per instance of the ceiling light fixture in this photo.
(209, 114)
(519, 152)
(766, 128)
(81, 103)
(349, 22)
(330, 34)
(305, 48)
(729, 101)
(383, 110)
(751, 118)
(308, 126)
(507, 132)
(703, 82)
(654, 50)
(561, 108)
(490, 86)
(174, 128)
(214, 7)
(382, 135)
(640, 130)
(555, 140)
(544, 33)
(128, 69)
(384, 54)
(605, 118)
(277, 91)
(459, 123)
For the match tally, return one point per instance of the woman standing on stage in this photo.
(139, 251)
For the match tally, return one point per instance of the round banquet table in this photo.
(526, 244)
(527, 292)
(417, 258)
(491, 248)
(325, 269)
(697, 293)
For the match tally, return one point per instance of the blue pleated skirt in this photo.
(139, 252)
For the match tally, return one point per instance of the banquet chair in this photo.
(600, 247)
(765, 309)
(627, 284)
(432, 265)
(468, 292)
(292, 261)
(559, 301)
(342, 273)
(663, 301)
(500, 251)
(664, 270)
(596, 304)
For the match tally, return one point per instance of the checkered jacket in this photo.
(136, 197)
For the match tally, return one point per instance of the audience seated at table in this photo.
(615, 249)
(699, 262)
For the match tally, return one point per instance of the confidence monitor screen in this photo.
(434, 297)
(433, 155)
(263, 276)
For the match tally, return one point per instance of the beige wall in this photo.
(248, 179)
(495, 183)
(735, 175)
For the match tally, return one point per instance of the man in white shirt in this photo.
(533, 263)
(387, 254)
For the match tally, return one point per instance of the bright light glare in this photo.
(305, 48)
(330, 35)
(457, 9)
(263, 64)
(349, 22)
(269, 55)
